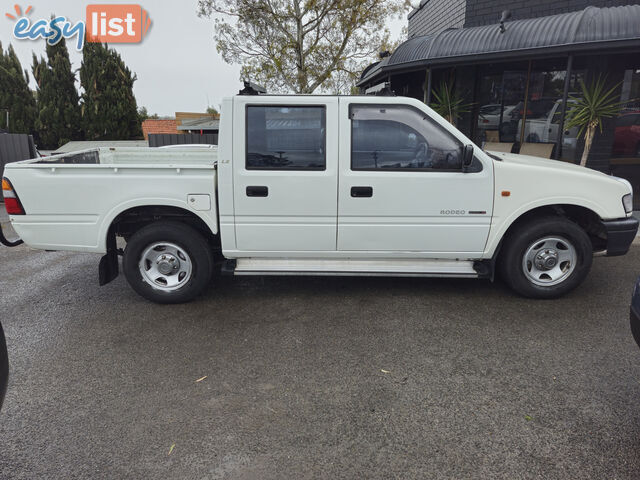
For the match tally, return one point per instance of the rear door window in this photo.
(286, 138)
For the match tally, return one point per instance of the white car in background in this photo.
(489, 116)
(546, 127)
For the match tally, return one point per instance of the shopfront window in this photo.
(538, 133)
(519, 109)
(501, 91)
(625, 154)
(515, 85)
(489, 107)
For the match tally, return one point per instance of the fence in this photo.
(15, 147)
(162, 139)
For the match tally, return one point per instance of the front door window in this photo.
(398, 137)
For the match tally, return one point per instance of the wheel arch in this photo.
(126, 219)
(585, 217)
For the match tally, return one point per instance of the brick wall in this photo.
(151, 125)
(487, 12)
(433, 16)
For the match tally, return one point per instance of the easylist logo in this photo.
(104, 23)
(117, 23)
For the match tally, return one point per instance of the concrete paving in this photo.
(316, 378)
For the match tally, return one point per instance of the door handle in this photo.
(361, 192)
(257, 191)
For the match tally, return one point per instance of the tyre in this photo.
(546, 257)
(168, 262)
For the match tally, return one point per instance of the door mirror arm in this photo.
(467, 157)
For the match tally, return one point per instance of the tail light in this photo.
(11, 200)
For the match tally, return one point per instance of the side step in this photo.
(368, 267)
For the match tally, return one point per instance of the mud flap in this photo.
(8, 243)
(484, 269)
(109, 268)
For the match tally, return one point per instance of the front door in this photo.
(285, 174)
(402, 189)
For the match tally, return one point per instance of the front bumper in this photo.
(634, 313)
(620, 234)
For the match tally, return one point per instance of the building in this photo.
(193, 123)
(517, 79)
(159, 126)
(201, 123)
(434, 16)
(185, 128)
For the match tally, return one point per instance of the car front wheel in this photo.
(546, 257)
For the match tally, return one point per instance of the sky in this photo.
(177, 65)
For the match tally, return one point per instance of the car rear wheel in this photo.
(168, 262)
(546, 257)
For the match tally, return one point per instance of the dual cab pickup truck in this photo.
(323, 185)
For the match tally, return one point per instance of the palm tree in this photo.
(590, 109)
(448, 103)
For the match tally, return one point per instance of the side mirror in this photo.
(467, 157)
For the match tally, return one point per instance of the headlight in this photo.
(627, 202)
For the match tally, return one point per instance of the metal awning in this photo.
(590, 29)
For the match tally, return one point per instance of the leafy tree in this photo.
(213, 111)
(143, 114)
(58, 120)
(109, 109)
(301, 45)
(15, 94)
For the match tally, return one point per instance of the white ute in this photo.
(323, 185)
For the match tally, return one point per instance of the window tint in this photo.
(290, 138)
(400, 137)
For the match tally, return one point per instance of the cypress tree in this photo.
(109, 109)
(58, 102)
(15, 94)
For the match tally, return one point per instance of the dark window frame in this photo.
(323, 107)
(421, 169)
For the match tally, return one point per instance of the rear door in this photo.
(285, 173)
(402, 189)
